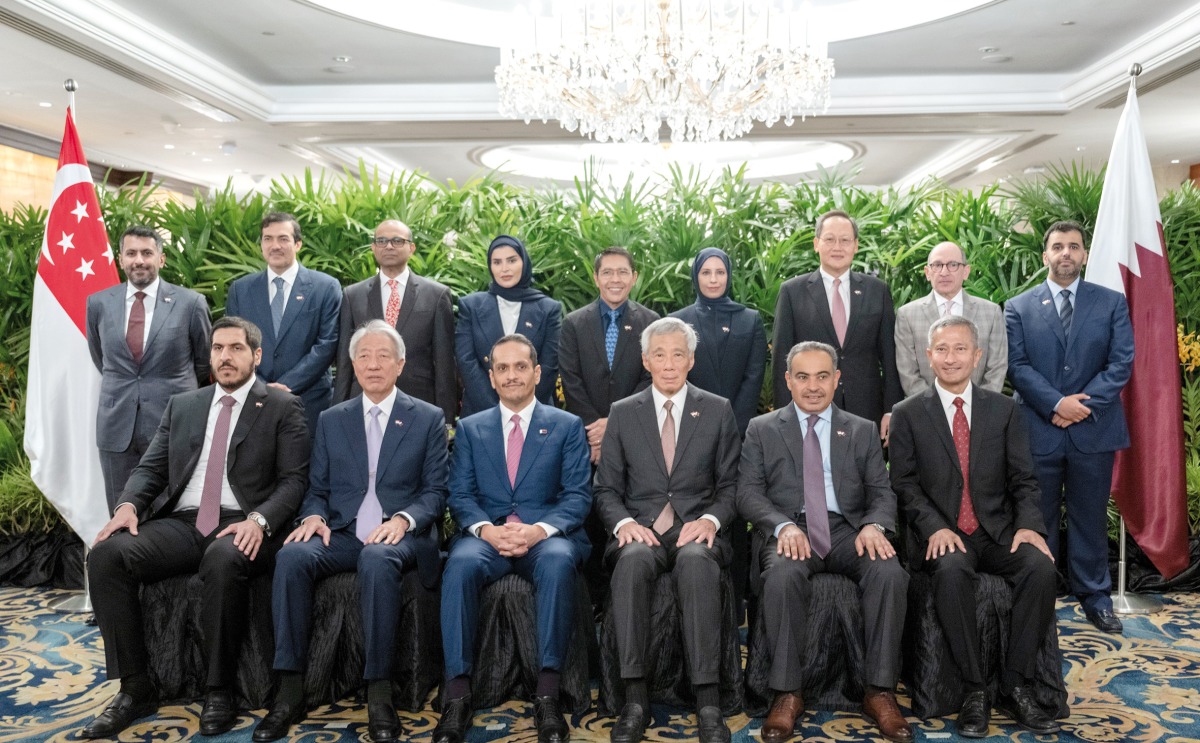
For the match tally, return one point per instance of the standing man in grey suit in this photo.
(297, 310)
(665, 488)
(149, 340)
(947, 269)
(420, 309)
(814, 485)
(848, 310)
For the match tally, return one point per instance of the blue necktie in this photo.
(1066, 312)
(610, 337)
(277, 304)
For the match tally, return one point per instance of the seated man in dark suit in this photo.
(377, 490)
(519, 491)
(664, 487)
(233, 460)
(986, 519)
(812, 518)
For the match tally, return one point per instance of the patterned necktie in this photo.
(839, 312)
(392, 313)
(666, 517)
(967, 523)
(277, 304)
(370, 513)
(947, 306)
(610, 337)
(136, 330)
(210, 496)
(1067, 312)
(816, 508)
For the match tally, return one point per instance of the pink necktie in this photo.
(209, 514)
(666, 517)
(513, 458)
(392, 313)
(839, 312)
(967, 522)
(370, 512)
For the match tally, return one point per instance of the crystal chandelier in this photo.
(708, 69)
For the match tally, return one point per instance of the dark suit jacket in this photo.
(1044, 365)
(267, 460)
(928, 479)
(632, 480)
(589, 386)
(553, 478)
(426, 324)
(479, 327)
(175, 359)
(771, 475)
(732, 365)
(300, 355)
(870, 384)
(411, 475)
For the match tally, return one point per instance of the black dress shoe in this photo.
(975, 715)
(455, 721)
(218, 715)
(118, 716)
(1024, 709)
(1105, 620)
(631, 724)
(278, 722)
(712, 726)
(382, 723)
(548, 719)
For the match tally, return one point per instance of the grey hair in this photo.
(953, 321)
(668, 325)
(376, 327)
(806, 346)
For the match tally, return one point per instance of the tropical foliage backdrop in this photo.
(767, 229)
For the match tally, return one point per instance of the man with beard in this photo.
(1070, 353)
(148, 340)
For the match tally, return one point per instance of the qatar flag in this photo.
(64, 385)
(1129, 255)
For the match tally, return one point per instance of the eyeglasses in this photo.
(396, 241)
(845, 242)
(621, 273)
(952, 266)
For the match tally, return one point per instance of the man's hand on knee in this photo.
(125, 517)
(247, 537)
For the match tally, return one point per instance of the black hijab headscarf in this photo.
(522, 291)
(722, 303)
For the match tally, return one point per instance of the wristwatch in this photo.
(257, 518)
(880, 528)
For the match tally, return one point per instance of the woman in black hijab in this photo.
(731, 356)
(510, 305)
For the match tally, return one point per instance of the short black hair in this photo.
(253, 334)
(1064, 225)
(614, 250)
(140, 230)
(515, 338)
(277, 217)
(836, 213)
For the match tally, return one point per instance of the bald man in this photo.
(420, 309)
(947, 268)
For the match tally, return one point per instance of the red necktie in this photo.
(967, 523)
(839, 313)
(392, 313)
(136, 330)
(210, 497)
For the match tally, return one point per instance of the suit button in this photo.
(1066, 368)
(670, 495)
(485, 359)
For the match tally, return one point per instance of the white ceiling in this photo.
(907, 104)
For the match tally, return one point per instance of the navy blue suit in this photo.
(411, 478)
(478, 328)
(731, 361)
(1045, 365)
(553, 486)
(300, 355)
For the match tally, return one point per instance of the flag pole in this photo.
(1124, 602)
(77, 602)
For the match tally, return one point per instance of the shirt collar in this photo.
(289, 276)
(825, 415)
(605, 309)
(828, 277)
(151, 291)
(401, 279)
(947, 398)
(677, 399)
(1056, 290)
(385, 407)
(526, 413)
(240, 394)
(941, 301)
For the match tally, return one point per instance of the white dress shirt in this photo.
(289, 280)
(385, 292)
(843, 289)
(947, 400)
(195, 487)
(525, 415)
(151, 293)
(956, 304)
(510, 313)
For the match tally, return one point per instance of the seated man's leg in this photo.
(697, 571)
(381, 569)
(954, 584)
(635, 568)
(299, 566)
(1033, 578)
(785, 596)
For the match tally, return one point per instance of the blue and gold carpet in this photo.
(1141, 687)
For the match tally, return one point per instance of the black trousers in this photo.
(163, 547)
(1032, 577)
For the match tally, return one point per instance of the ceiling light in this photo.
(229, 147)
(168, 146)
(988, 49)
(996, 58)
(1068, 23)
(341, 58)
(45, 104)
(1174, 162)
(619, 71)
(1080, 148)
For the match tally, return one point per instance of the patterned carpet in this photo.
(1144, 686)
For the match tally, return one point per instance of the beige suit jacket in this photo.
(912, 336)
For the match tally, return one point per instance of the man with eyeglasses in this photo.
(419, 308)
(297, 309)
(848, 310)
(947, 269)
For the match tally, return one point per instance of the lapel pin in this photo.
(724, 328)
(168, 300)
(299, 297)
(695, 413)
(258, 404)
(528, 324)
(1045, 301)
(542, 431)
(858, 291)
(629, 327)
(399, 423)
(841, 433)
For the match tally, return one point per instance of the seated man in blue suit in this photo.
(297, 310)
(520, 487)
(377, 489)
